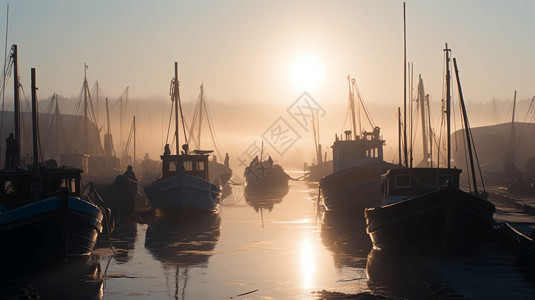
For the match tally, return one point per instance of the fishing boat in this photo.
(424, 211)
(185, 184)
(357, 165)
(43, 220)
(265, 177)
(220, 171)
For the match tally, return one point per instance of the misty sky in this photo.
(248, 50)
(270, 52)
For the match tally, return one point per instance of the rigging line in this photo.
(524, 127)
(169, 125)
(364, 107)
(4, 82)
(212, 130)
(181, 113)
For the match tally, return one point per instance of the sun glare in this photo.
(306, 71)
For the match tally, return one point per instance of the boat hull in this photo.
(445, 222)
(48, 231)
(271, 178)
(353, 189)
(184, 191)
(219, 173)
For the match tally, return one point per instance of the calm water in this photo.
(273, 248)
(256, 249)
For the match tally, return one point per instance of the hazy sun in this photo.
(306, 71)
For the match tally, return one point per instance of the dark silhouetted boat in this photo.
(42, 218)
(185, 184)
(424, 211)
(264, 176)
(357, 166)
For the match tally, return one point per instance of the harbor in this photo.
(353, 150)
(233, 257)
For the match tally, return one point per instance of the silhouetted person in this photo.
(11, 152)
(215, 158)
(255, 161)
(129, 173)
(166, 150)
(270, 161)
(226, 160)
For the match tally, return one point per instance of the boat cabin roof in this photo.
(418, 181)
(191, 164)
(17, 186)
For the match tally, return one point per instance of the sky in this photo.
(270, 52)
(246, 50)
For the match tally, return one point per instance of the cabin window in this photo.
(8, 188)
(402, 181)
(69, 183)
(443, 178)
(384, 187)
(172, 166)
(188, 165)
(200, 165)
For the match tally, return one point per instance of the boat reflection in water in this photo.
(261, 199)
(123, 239)
(184, 243)
(76, 279)
(396, 276)
(346, 237)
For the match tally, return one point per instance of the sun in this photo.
(306, 71)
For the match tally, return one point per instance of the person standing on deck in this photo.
(11, 152)
(129, 173)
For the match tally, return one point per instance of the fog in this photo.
(241, 127)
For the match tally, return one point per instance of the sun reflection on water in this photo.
(308, 264)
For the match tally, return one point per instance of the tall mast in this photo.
(35, 125)
(466, 127)
(405, 89)
(176, 108)
(421, 103)
(430, 131)
(399, 136)
(86, 87)
(352, 108)
(201, 108)
(448, 103)
(134, 141)
(57, 116)
(16, 100)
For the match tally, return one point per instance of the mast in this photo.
(421, 103)
(399, 136)
(466, 127)
(108, 140)
(16, 100)
(352, 108)
(176, 108)
(513, 138)
(86, 131)
(430, 131)
(36, 187)
(57, 116)
(201, 108)
(448, 103)
(405, 88)
(134, 162)
(35, 127)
